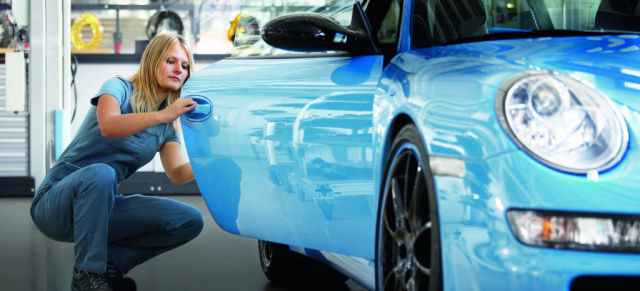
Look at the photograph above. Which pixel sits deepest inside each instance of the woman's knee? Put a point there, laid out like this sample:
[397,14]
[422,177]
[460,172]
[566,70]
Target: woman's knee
[193,222]
[99,175]
[102,171]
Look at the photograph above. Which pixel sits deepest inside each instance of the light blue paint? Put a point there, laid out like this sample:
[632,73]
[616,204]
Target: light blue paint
[295,148]
[292,145]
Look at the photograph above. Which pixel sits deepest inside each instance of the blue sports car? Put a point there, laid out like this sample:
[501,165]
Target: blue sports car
[429,144]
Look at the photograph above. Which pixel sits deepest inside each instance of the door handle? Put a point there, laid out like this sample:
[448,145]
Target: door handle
[202,110]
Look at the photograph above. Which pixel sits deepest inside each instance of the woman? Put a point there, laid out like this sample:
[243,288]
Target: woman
[78,201]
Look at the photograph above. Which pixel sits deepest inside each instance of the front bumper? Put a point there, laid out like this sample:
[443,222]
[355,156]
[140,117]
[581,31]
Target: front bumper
[479,251]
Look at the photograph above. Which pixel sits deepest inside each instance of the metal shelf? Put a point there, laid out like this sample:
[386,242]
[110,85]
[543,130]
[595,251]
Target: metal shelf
[183,7]
[194,13]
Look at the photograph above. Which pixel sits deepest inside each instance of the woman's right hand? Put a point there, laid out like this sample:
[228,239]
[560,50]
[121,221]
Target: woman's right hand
[178,107]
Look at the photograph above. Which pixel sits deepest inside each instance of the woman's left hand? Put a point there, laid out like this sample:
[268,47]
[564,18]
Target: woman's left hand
[178,107]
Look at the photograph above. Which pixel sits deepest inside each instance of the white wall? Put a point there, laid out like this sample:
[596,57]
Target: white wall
[20,9]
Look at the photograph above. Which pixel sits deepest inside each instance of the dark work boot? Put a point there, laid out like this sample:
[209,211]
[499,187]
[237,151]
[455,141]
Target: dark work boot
[117,281]
[87,281]
[121,284]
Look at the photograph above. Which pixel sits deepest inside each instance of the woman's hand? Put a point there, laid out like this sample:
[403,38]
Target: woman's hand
[178,107]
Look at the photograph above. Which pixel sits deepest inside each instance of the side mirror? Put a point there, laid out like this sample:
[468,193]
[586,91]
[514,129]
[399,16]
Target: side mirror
[312,32]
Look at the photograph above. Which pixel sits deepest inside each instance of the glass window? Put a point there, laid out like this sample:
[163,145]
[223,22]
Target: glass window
[438,22]
[388,32]
[617,15]
[124,26]
[509,14]
[577,15]
[573,15]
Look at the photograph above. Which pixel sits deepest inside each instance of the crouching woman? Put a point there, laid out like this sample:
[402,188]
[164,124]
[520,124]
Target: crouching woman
[78,201]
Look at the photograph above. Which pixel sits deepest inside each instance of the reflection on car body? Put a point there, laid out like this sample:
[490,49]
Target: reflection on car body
[332,151]
[430,144]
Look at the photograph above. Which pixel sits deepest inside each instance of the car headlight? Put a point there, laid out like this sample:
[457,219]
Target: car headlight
[565,230]
[562,122]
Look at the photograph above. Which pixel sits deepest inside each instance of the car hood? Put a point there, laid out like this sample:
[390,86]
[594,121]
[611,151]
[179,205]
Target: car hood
[610,63]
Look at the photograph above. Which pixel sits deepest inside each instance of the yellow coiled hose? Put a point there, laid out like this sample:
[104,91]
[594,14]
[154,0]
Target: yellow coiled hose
[83,20]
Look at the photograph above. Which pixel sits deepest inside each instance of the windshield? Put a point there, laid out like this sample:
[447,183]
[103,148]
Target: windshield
[582,15]
[454,21]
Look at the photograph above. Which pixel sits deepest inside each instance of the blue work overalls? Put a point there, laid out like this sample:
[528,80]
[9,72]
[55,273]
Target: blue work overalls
[78,199]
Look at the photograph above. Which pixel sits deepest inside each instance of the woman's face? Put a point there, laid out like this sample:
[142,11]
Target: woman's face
[175,70]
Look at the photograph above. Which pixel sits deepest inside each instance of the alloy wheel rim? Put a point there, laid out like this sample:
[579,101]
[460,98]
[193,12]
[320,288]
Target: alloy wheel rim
[266,253]
[405,230]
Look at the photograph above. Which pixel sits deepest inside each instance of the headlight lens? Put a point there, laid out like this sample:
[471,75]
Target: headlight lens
[576,231]
[562,122]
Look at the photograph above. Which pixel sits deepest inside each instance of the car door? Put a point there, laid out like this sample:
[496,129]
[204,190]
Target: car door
[281,143]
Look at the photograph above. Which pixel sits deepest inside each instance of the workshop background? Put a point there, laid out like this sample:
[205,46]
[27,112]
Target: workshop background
[54,55]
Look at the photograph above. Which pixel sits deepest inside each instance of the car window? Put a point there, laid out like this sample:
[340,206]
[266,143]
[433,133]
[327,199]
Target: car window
[247,41]
[388,32]
[438,22]
[506,15]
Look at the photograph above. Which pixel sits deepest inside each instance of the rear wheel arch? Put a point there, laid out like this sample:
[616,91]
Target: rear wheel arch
[396,125]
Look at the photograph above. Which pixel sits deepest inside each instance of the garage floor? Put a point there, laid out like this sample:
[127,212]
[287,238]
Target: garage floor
[215,260]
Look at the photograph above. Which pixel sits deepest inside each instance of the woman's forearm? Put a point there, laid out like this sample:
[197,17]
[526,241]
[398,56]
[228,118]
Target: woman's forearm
[120,125]
[115,124]
[182,175]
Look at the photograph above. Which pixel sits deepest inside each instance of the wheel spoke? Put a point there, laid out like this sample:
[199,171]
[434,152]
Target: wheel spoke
[399,273]
[388,277]
[416,206]
[394,276]
[420,209]
[424,228]
[421,275]
[266,253]
[424,270]
[395,231]
[398,204]
[411,285]
[420,278]
[409,176]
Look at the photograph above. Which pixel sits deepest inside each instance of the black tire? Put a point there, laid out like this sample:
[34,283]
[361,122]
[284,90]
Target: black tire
[408,253]
[284,267]
[273,259]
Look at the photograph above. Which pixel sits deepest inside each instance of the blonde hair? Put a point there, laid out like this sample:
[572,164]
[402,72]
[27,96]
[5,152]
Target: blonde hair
[145,81]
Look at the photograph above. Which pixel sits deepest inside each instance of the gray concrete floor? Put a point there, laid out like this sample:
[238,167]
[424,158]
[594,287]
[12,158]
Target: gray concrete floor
[215,260]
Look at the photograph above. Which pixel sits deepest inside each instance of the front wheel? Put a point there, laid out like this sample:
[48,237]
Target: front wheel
[408,234]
